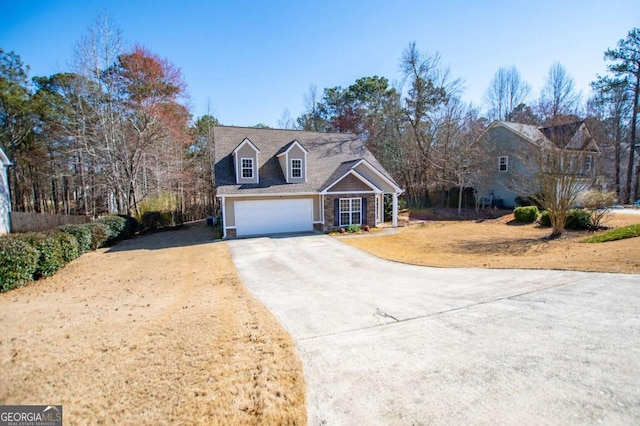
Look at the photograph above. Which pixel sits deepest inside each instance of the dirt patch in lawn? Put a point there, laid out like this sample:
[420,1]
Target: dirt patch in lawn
[156,330]
[503,243]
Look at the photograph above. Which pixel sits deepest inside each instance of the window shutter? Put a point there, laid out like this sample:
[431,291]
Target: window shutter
[336,212]
[364,210]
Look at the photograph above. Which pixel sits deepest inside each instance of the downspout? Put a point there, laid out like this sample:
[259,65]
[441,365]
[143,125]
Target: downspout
[224,217]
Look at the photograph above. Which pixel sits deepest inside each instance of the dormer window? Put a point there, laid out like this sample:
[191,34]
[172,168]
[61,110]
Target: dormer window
[245,162]
[296,168]
[293,162]
[247,168]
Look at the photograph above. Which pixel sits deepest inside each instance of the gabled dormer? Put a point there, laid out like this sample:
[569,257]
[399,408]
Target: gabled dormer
[245,162]
[293,162]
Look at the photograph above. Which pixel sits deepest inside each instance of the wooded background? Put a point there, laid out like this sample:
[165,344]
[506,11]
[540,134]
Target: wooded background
[114,134]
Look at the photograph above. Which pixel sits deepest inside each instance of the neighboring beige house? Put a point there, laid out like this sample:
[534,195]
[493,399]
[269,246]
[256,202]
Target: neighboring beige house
[512,149]
[274,181]
[5,194]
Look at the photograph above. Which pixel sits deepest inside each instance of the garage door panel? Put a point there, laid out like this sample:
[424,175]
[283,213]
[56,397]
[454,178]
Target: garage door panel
[273,216]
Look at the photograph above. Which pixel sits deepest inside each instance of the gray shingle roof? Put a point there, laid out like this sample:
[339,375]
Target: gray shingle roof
[527,131]
[329,155]
[558,135]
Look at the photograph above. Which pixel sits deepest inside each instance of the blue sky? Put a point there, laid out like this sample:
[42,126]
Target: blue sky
[246,61]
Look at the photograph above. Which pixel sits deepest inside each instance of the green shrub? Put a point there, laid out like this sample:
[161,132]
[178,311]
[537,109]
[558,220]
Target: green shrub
[167,219]
[131,227]
[82,234]
[578,219]
[526,214]
[18,263]
[156,219]
[50,259]
[116,227]
[544,219]
[69,247]
[99,234]
[353,228]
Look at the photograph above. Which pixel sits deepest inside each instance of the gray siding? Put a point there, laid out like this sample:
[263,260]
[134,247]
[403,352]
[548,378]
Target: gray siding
[375,179]
[504,187]
[246,151]
[350,183]
[296,153]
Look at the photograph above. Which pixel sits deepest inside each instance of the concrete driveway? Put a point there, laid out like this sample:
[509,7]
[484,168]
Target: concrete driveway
[391,344]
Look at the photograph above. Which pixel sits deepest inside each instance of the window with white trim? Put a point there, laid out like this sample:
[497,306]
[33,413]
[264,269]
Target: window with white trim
[296,168]
[588,163]
[503,164]
[350,211]
[247,168]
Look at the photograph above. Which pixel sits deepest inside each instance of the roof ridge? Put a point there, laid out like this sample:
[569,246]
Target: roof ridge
[284,130]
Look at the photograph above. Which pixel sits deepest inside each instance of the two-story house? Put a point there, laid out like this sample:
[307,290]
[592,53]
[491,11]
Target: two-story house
[274,181]
[512,154]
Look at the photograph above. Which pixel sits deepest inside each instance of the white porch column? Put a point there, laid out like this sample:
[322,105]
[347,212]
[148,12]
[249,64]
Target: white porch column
[223,206]
[395,210]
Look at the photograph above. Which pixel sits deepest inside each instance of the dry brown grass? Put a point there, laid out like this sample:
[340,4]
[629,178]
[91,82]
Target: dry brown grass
[157,330]
[501,243]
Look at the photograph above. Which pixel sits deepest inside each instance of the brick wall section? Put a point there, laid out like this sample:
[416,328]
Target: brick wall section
[329,215]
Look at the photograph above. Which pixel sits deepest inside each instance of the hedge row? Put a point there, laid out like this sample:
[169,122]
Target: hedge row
[32,255]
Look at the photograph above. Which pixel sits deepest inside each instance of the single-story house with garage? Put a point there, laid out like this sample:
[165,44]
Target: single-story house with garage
[272,181]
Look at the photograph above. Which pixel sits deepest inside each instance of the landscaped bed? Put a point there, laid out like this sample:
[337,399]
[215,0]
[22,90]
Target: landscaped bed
[503,243]
[154,330]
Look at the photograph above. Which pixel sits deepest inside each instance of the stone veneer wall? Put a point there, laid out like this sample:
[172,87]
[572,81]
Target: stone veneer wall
[329,215]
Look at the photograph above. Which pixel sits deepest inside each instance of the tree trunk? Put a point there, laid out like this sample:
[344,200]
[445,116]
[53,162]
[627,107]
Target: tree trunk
[633,141]
[617,155]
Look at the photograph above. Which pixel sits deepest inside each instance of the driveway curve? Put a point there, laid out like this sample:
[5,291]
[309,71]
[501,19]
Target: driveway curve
[389,343]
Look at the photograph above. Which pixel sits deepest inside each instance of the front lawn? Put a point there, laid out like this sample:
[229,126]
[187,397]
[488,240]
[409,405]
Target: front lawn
[155,330]
[502,243]
[616,234]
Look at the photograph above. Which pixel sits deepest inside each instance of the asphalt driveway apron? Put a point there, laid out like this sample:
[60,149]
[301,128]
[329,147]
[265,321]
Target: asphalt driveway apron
[393,344]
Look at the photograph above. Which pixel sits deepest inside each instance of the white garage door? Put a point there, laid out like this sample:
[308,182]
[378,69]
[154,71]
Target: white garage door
[273,216]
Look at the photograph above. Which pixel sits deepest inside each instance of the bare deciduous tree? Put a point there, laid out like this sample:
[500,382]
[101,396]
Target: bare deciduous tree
[559,184]
[506,91]
[559,96]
